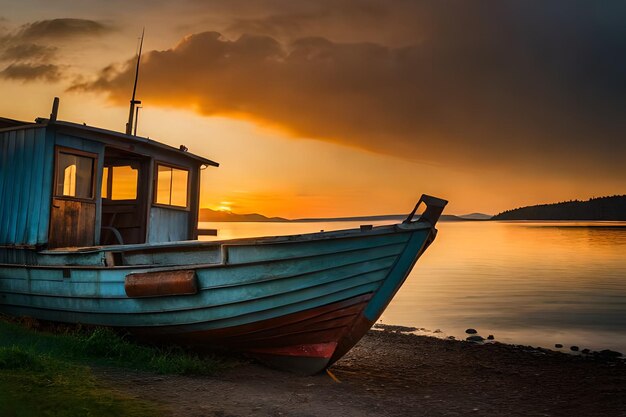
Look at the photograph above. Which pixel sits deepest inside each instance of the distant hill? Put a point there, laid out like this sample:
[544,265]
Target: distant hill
[476,216]
[390,217]
[602,208]
[208,215]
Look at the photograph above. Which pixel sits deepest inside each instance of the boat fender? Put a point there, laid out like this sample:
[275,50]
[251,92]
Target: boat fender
[161,284]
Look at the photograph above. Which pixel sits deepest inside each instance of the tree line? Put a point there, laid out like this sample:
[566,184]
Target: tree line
[598,208]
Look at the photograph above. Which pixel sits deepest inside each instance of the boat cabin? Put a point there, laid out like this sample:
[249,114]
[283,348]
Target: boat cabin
[64,184]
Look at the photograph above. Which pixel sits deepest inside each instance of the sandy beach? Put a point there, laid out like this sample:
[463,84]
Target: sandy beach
[390,373]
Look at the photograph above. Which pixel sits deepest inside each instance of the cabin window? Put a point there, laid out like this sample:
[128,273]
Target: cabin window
[104,192]
[171,186]
[120,182]
[74,175]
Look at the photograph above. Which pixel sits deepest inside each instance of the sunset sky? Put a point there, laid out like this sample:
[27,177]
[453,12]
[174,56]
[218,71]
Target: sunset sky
[343,107]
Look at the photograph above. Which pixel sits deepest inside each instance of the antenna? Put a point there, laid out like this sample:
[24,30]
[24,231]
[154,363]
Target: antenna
[133,102]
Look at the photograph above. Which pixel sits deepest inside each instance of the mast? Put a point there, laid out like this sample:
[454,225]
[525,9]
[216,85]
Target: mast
[136,118]
[133,102]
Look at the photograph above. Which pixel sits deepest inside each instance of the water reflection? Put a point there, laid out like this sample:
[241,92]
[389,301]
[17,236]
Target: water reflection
[524,282]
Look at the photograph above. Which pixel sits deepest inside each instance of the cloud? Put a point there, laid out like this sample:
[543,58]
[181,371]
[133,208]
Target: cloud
[32,50]
[337,19]
[24,52]
[30,72]
[528,86]
[55,29]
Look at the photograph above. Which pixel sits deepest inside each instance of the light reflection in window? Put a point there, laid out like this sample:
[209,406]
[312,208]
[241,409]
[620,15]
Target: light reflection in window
[120,182]
[69,181]
[124,183]
[74,176]
[104,191]
[171,186]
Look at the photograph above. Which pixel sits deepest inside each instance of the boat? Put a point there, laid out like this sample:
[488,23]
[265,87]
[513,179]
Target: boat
[100,228]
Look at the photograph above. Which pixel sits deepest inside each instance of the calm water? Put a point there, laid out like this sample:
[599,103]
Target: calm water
[536,283]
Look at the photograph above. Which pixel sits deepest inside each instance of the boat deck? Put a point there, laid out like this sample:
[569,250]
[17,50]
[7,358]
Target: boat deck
[190,252]
[192,244]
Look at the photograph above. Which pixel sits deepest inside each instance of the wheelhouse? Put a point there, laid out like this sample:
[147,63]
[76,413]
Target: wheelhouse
[64,184]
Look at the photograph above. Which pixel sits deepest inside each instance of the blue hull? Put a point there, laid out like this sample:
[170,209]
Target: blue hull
[240,284]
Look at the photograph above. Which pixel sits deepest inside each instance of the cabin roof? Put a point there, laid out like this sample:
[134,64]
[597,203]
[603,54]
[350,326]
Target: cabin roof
[9,123]
[128,138]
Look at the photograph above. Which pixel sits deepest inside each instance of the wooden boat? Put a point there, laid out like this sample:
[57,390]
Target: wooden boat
[100,228]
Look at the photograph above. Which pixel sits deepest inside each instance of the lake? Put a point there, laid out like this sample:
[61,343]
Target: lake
[532,283]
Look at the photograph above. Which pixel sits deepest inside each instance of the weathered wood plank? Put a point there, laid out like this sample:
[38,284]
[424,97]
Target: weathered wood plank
[4,177]
[34,206]
[25,191]
[168,225]
[8,216]
[46,189]
[22,181]
[72,223]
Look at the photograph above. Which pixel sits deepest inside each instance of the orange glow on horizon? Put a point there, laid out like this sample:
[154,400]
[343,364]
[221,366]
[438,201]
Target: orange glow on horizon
[316,116]
[276,175]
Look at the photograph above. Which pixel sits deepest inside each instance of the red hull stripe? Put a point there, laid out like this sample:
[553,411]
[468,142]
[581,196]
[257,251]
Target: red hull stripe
[317,350]
[305,342]
[328,323]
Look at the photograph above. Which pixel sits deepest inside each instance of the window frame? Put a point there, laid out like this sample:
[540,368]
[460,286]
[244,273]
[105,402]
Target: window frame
[76,152]
[155,183]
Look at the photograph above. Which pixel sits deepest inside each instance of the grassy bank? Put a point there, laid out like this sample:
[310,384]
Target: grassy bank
[34,384]
[43,373]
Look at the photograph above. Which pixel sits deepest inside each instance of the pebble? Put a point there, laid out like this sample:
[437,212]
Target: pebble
[609,354]
[471,331]
[558,345]
[490,337]
[574,348]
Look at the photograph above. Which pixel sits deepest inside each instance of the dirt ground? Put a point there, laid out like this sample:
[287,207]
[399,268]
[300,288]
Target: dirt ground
[393,374]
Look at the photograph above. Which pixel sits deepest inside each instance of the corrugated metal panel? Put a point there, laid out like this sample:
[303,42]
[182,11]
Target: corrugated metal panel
[168,225]
[26,159]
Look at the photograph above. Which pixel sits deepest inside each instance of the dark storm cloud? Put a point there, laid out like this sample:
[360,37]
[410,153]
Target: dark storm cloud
[31,52]
[334,19]
[22,52]
[532,85]
[31,72]
[60,29]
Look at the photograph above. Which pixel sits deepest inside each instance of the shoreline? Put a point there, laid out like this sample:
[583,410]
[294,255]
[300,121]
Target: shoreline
[389,373]
[477,337]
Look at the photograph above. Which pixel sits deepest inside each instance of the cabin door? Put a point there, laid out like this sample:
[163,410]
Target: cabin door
[73,212]
[124,198]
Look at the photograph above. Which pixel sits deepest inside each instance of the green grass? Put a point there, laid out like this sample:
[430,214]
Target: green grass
[14,358]
[102,346]
[49,374]
[38,385]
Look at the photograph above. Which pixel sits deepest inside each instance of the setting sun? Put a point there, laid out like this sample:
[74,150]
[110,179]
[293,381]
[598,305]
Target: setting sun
[224,207]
